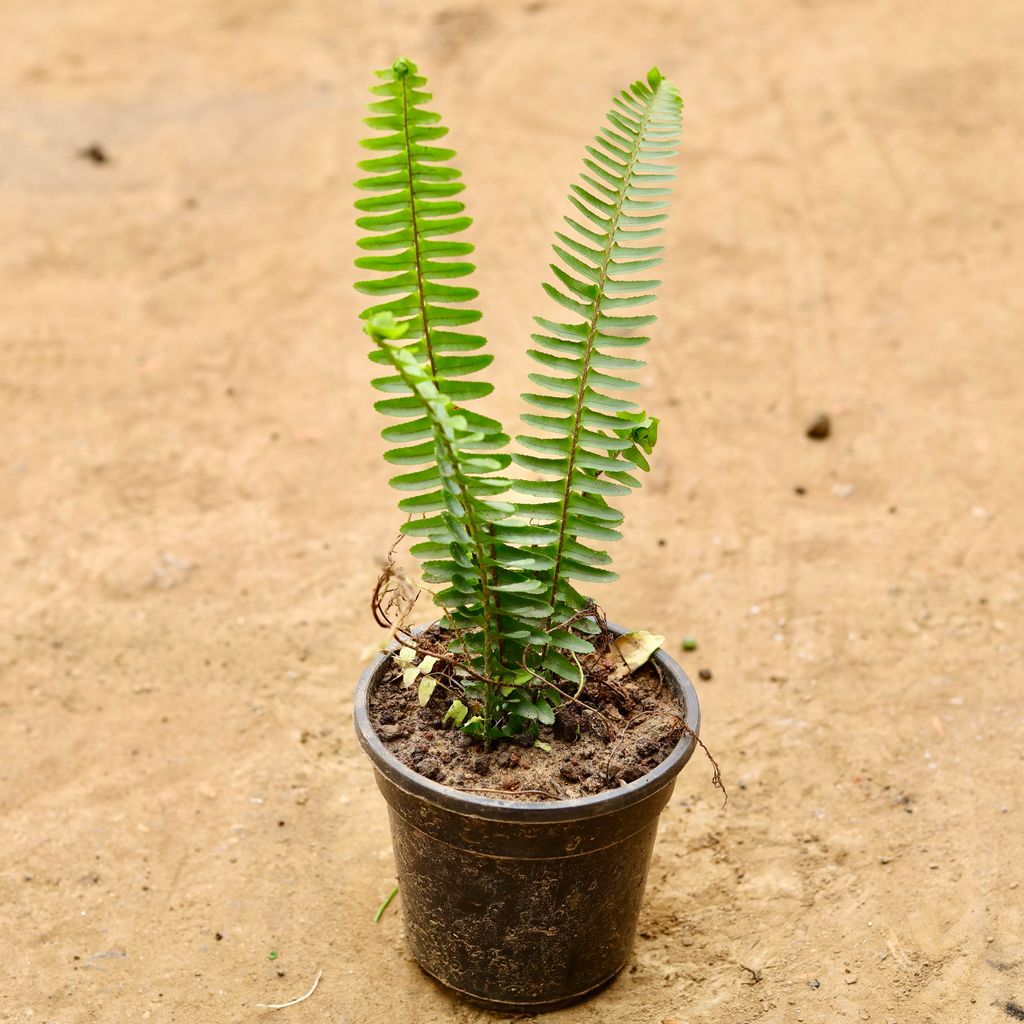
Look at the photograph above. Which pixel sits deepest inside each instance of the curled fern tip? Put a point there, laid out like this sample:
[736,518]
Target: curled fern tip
[384,325]
[403,66]
[654,78]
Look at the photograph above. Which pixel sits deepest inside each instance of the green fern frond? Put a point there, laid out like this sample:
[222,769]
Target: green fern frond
[409,220]
[591,439]
[507,571]
[456,493]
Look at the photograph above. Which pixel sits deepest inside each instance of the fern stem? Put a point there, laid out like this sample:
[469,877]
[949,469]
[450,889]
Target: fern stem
[479,534]
[421,299]
[417,256]
[491,613]
[591,331]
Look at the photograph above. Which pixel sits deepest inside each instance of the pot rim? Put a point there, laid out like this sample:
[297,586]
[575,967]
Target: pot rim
[460,801]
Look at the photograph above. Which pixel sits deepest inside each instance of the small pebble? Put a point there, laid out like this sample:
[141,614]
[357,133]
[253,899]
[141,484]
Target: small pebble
[95,154]
[706,674]
[820,427]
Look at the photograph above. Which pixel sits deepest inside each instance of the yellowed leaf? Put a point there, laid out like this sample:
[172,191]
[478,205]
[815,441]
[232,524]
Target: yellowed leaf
[637,647]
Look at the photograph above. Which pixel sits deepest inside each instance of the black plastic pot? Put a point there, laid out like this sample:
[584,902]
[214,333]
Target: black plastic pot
[522,907]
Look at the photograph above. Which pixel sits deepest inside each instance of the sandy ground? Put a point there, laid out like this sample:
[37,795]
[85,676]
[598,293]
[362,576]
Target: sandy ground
[192,502]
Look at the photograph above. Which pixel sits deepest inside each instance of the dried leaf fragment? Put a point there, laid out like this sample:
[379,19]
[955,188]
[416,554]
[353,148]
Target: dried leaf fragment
[427,684]
[637,647]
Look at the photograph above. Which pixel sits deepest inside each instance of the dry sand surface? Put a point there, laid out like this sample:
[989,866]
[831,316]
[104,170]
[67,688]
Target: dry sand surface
[193,504]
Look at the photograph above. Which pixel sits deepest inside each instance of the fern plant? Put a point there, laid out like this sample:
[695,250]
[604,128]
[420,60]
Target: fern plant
[507,533]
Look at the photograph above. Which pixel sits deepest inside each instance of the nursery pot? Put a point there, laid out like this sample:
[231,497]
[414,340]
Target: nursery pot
[518,906]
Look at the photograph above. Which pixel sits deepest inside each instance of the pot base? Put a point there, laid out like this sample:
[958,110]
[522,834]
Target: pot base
[503,1006]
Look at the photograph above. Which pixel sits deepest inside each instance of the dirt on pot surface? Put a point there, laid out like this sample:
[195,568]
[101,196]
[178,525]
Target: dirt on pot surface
[622,727]
[193,509]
